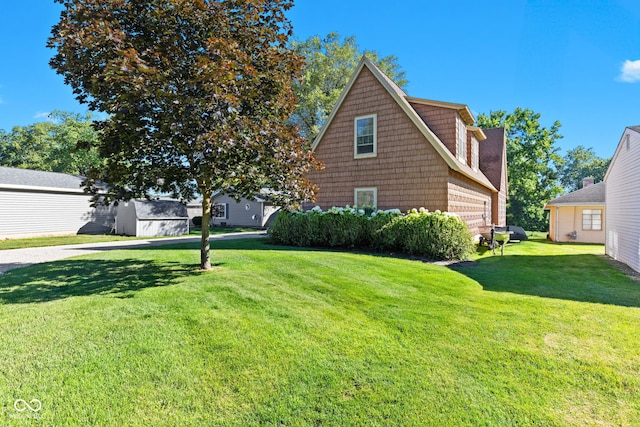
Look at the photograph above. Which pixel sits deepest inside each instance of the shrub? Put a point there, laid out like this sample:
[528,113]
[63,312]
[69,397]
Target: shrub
[197,221]
[433,235]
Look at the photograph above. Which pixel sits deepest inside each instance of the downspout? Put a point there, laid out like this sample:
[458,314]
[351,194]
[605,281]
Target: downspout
[557,224]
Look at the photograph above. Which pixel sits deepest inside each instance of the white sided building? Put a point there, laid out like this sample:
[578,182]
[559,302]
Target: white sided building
[622,221]
[36,203]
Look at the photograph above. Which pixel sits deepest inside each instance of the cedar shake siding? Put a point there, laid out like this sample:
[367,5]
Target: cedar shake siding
[470,201]
[414,161]
[442,121]
[407,171]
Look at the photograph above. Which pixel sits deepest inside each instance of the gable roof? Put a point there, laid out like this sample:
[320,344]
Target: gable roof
[591,195]
[27,179]
[401,98]
[462,109]
[492,156]
[635,129]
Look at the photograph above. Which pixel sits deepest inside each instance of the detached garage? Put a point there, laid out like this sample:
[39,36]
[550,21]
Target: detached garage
[146,218]
[36,203]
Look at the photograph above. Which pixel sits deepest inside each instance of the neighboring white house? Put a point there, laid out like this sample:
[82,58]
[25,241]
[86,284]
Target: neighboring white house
[226,211]
[145,218]
[622,222]
[36,203]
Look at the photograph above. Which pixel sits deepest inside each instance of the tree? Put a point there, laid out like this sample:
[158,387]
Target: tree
[198,92]
[52,145]
[330,62]
[579,163]
[531,164]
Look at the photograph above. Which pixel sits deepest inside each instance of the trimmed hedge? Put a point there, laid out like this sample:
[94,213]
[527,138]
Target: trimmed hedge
[434,235]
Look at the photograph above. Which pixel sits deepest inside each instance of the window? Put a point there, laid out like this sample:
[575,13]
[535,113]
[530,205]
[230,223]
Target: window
[219,210]
[462,141]
[365,144]
[474,154]
[365,197]
[592,219]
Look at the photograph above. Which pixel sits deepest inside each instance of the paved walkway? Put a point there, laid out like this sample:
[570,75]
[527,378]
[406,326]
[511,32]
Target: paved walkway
[16,258]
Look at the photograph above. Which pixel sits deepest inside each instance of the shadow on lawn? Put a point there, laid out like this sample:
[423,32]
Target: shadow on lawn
[584,278]
[64,279]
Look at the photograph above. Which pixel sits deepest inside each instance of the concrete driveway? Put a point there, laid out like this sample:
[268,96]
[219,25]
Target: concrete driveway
[16,258]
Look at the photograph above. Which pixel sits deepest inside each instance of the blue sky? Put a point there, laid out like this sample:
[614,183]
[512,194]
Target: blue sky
[576,61]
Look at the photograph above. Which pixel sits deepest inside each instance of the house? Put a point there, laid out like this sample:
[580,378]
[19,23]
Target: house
[146,218]
[622,222]
[383,148]
[257,211]
[578,216]
[36,203]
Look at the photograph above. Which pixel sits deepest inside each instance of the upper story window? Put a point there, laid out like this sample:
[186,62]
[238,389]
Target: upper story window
[366,135]
[462,141]
[474,154]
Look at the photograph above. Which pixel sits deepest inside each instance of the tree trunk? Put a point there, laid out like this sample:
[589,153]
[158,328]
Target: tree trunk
[205,256]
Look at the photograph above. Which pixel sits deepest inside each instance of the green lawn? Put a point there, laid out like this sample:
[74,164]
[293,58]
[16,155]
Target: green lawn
[546,335]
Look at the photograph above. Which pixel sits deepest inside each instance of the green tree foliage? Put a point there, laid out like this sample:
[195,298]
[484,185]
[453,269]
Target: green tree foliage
[330,62]
[52,145]
[199,94]
[532,160]
[579,163]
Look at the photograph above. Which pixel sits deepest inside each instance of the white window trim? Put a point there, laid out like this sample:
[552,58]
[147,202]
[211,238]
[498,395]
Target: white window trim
[375,137]
[225,212]
[363,189]
[475,154]
[461,143]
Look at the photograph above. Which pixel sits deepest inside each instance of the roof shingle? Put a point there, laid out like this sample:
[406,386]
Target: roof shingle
[591,195]
[33,178]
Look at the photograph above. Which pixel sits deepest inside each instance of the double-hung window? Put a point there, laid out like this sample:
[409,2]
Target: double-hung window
[462,141]
[474,154]
[365,197]
[220,211]
[592,219]
[365,136]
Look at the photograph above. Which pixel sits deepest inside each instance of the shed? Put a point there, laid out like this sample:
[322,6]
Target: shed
[146,218]
[37,203]
[578,216]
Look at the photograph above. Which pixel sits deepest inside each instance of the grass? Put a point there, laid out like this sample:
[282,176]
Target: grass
[545,335]
[35,242]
